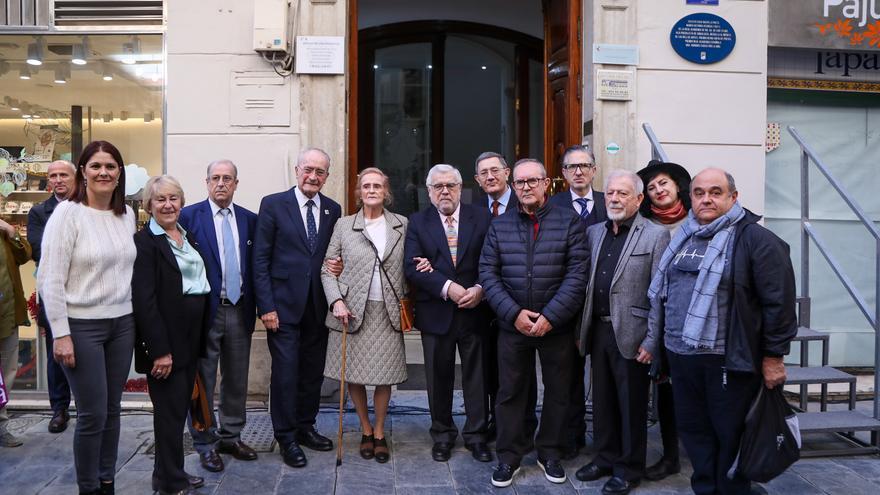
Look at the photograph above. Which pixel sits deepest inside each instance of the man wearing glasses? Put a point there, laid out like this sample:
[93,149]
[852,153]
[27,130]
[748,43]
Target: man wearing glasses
[492,174]
[533,272]
[579,167]
[226,230]
[293,231]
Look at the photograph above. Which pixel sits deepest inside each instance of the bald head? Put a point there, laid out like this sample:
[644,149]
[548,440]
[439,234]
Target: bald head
[713,193]
[61,175]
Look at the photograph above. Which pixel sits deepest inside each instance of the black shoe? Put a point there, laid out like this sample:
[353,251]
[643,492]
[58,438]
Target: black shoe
[59,420]
[592,472]
[238,449]
[380,450]
[662,469]
[503,475]
[757,489]
[441,451]
[480,451]
[107,488]
[553,470]
[618,486]
[211,461]
[293,455]
[313,440]
[195,481]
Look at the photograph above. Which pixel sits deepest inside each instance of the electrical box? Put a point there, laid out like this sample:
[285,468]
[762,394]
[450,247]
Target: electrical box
[270,26]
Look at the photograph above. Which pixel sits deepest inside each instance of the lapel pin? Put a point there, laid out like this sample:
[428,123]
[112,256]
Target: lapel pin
[249,242]
[326,212]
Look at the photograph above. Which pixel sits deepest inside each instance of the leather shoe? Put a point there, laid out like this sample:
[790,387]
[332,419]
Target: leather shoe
[59,420]
[194,482]
[313,440]
[239,450]
[663,468]
[592,472]
[293,455]
[480,451]
[441,451]
[619,486]
[211,461]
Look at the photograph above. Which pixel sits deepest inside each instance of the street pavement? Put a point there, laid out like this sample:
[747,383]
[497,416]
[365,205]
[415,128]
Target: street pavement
[44,464]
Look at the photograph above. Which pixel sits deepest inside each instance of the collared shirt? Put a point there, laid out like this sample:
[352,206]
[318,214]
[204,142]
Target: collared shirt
[192,267]
[609,256]
[503,201]
[455,216]
[301,200]
[589,197]
[218,231]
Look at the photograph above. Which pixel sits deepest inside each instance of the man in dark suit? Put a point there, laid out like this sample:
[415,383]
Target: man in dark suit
[293,231]
[625,250]
[448,311]
[60,175]
[225,231]
[492,174]
[579,167]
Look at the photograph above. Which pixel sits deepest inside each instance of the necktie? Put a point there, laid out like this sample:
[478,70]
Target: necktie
[495,205]
[584,211]
[232,275]
[311,228]
[452,238]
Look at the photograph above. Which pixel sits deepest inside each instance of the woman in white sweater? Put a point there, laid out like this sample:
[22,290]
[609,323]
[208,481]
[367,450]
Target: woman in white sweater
[85,286]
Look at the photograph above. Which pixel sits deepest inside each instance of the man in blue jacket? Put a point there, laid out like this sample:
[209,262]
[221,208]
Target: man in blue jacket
[448,310]
[226,230]
[533,271]
[723,297]
[293,231]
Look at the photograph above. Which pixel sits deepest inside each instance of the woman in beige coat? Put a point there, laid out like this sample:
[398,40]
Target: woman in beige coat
[365,297]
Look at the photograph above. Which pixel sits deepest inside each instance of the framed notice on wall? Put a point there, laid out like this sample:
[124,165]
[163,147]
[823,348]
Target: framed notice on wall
[320,54]
[614,85]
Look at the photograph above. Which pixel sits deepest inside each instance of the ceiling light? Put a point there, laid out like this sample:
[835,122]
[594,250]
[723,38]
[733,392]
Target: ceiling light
[15,109]
[80,52]
[35,116]
[35,52]
[107,74]
[483,67]
[131,50]
[123,115]
[25,116]
[108,117]
[24,73]
[148,117]
[62,72]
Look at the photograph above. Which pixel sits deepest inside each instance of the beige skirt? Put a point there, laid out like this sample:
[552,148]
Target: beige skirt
[375,354]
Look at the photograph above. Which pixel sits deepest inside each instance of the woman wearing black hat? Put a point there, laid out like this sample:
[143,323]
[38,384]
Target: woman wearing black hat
[666,203]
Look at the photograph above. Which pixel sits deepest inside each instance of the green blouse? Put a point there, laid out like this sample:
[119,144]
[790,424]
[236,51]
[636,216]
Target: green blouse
[192,267]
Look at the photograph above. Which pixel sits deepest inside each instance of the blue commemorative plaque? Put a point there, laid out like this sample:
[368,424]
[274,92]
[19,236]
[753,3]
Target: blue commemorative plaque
[703,38]
[702,2]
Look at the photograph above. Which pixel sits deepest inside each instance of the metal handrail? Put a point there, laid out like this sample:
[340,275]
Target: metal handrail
[657,151]
[808,233]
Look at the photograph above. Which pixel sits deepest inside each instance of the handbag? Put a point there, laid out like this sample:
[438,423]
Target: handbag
[407,318]
[771,440]
[201,415]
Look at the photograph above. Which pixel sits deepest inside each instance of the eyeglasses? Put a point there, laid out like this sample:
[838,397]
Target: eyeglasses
[225,179]
[494,171]
[583,166]
[533,182]
[439,187]
[320,172]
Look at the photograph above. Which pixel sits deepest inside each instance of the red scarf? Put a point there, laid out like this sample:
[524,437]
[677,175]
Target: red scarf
[670,215]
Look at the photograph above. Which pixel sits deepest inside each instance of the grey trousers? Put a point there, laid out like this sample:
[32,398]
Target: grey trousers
[103,350]
[9,363]
[228,345]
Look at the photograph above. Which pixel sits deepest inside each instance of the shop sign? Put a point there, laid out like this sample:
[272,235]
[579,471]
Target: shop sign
[702,2]
[612,148]
[614,85]
[826,65]
[841,24]
[703,38]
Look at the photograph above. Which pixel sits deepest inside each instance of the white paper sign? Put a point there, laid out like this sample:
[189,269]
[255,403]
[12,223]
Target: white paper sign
[320,54]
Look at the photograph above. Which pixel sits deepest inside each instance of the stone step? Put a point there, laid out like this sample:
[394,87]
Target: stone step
[836,421]
[797,375]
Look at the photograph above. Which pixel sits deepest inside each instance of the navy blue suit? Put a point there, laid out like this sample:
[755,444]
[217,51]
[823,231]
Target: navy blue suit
[287,279]
[443,325]
[577,425]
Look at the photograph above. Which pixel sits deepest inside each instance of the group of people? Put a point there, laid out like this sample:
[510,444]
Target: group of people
[660,277]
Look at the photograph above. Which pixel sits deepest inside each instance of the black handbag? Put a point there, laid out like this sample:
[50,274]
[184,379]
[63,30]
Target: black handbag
[771,440]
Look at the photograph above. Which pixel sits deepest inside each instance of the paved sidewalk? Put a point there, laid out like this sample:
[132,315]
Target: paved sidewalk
[44,464]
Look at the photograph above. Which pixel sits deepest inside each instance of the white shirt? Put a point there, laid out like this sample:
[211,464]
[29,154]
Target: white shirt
[590,201]
[376,230]
[455,216]
[302,199]
[502,201]
[218,231]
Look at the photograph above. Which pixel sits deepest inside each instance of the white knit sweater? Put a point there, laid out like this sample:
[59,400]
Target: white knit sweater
[86,265]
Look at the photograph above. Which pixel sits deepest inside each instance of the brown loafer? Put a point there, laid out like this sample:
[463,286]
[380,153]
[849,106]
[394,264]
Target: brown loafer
[239,450]
[366,448]
[380,450]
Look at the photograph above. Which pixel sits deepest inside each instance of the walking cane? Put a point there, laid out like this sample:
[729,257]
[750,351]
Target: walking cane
[341,395]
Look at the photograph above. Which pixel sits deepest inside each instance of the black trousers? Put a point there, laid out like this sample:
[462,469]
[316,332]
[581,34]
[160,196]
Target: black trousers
[516,369]
[298,354]
[620,406]
[490,349]
[577,410]
[710,409]
[59,389]
[439,352]
[666,417]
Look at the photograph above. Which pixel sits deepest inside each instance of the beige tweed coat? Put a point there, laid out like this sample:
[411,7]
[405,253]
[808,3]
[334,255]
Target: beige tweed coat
[350,242]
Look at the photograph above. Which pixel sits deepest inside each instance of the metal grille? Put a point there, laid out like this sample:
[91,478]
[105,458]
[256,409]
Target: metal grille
[108,13]
[24,13]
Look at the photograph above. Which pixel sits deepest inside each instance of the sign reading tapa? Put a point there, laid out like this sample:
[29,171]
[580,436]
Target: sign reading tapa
[703,38]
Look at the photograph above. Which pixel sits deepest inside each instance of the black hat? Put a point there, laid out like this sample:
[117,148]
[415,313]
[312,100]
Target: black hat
[678,174]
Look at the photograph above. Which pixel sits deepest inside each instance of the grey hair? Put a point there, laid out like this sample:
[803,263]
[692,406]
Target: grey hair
[219,162]
[523,161]
[155,183]
[485,156]
[301,157]
[442,168]
[66,162]
[638,185]
[576,148]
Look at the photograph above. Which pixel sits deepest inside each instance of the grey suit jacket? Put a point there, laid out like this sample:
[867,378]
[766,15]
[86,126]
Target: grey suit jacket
[350,241]
[641,254]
